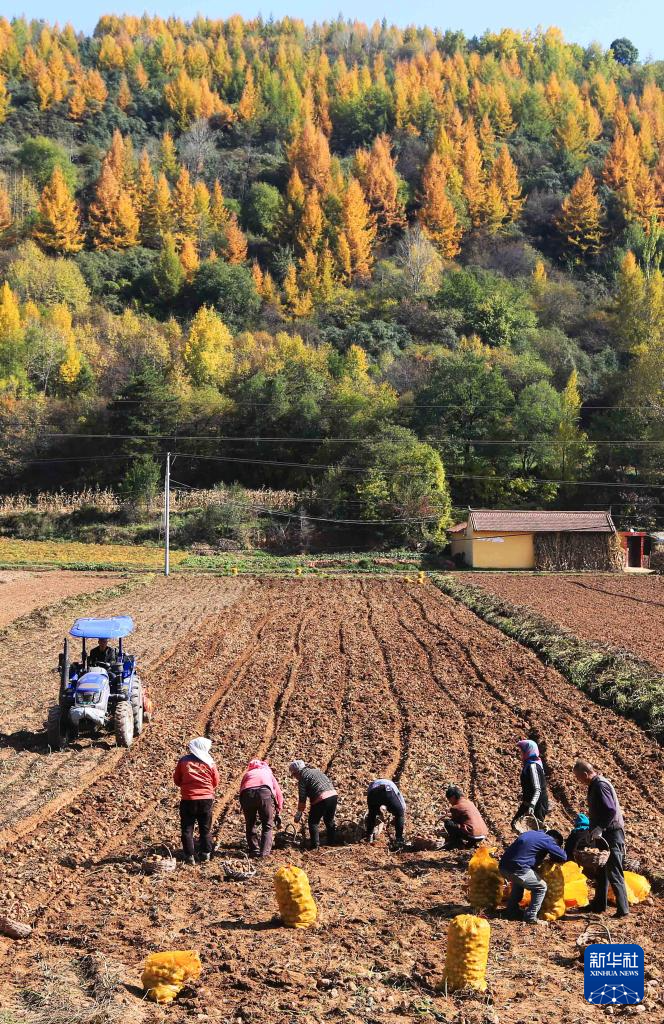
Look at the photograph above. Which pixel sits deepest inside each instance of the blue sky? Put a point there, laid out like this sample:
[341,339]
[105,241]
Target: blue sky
[582,21]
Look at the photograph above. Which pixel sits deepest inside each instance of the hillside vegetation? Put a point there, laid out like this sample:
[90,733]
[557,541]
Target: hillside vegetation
[401,269]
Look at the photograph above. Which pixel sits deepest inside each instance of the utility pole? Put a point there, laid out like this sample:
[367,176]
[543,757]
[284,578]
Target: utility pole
[167,516]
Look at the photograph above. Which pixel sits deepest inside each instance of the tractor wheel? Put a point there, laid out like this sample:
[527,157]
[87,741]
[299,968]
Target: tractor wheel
[137,710]
[56,729]
[124,724]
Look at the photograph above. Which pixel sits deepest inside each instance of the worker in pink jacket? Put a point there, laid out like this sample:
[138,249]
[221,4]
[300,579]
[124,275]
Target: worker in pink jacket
[260,796]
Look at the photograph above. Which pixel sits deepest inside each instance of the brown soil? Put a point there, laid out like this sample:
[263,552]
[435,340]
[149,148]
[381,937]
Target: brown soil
[363,679]
[22,591]
[624,611]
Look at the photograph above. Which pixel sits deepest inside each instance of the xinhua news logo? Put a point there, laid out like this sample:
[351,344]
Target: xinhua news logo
[613,973]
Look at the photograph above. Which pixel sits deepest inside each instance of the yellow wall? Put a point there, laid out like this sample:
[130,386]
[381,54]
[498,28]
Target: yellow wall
[497,550]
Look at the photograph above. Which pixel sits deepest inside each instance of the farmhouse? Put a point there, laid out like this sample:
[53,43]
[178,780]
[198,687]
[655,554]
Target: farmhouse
[500,539]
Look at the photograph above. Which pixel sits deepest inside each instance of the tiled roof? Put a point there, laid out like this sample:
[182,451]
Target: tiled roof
[459,528]
[541,521]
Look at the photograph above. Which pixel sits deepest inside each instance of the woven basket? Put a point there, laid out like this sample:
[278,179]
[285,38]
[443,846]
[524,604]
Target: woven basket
[238,870]
[595,934]
[155,863]
[288,836]
[527,823]
[592,858]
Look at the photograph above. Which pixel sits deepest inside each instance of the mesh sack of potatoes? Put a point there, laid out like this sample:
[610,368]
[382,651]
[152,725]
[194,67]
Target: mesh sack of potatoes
[485,882]
[554,901]
[467,952]
[296,904]
[166,974]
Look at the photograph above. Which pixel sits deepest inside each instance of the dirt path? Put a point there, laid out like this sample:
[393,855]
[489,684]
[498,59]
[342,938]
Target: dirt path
[364,679]
[624,611]
[22,591]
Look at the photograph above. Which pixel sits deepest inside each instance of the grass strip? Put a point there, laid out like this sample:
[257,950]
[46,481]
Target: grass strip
[614,678]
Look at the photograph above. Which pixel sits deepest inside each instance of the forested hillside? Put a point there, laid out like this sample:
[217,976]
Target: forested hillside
[426,268]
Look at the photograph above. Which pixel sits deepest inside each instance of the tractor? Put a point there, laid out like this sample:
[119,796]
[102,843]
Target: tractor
[98,694]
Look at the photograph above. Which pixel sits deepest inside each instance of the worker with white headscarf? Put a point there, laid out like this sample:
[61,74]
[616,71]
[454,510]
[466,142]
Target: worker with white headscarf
[197,777]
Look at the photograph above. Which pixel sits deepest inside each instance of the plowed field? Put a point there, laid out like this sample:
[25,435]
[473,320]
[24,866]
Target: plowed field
[22,591]
[624,611]
[362,679]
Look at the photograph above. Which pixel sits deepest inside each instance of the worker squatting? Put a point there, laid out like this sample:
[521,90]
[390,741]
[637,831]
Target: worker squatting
[262,800]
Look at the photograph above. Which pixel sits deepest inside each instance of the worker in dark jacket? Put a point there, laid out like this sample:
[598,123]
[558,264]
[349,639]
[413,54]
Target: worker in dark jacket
[102,654]
[314,786]
[385,793]
[519,865]
[465,826]
[534,795]
[606,820]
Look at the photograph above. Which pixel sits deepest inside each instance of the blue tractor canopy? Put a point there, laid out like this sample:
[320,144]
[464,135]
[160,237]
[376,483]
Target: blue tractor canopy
[103,629]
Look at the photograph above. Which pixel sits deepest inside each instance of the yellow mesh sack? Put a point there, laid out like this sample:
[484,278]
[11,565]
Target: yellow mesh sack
[165,974]
[296,904]
[638,888]
[554,901]
[485,882]
[467,952]
[576,885]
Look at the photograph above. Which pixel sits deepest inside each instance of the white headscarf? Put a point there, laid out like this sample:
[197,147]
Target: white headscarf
[200,748]
[295,767]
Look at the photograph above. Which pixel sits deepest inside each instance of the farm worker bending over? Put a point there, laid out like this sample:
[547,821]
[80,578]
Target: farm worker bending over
[606,820]
[534,796]
[579,833]
[384,793]
[197,776]
[465,826]
[518,864]
[102,654]
[314,786]
[260,796]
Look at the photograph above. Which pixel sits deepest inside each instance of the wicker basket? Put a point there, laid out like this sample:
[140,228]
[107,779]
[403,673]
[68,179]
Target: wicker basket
[238,870]
[155,863]
[593,858]
[527,823]
[288,836]
[595,934]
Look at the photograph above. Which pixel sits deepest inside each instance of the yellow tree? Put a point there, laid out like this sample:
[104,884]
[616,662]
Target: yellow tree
[297,302]
[5,101]
[113,218]
[183,96]
[571,138]
[158,215]
[359,230]
[58,225]
[208,350]
[380,181]
[310,155]
[77,103]
[629,305]
[218,211]
[505,176]
[124,94]
[235,243]
[309,228]
[6,218]
[189,258]
[472,170]
[10,314]
[168,162]
[437,214]
[184,206]
[495,211]
[580,219]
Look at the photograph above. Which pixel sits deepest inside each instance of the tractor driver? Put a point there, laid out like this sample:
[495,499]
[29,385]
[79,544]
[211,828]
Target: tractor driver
[102,654]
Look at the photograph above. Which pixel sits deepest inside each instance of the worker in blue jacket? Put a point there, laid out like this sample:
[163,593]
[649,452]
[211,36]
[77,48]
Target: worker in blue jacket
[519,864]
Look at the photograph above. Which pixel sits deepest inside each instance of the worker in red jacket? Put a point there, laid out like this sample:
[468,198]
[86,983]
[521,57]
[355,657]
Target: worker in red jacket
[197,776]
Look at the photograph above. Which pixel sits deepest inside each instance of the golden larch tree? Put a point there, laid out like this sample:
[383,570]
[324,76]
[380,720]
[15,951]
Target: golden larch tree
[309,227]
[114,222]
[58,225]
[472,170]
[359,229]
[379,179]
[184,206]
[506,178]
[6,218]
[310,155]
[580,219]
[437,214]
[235,243]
